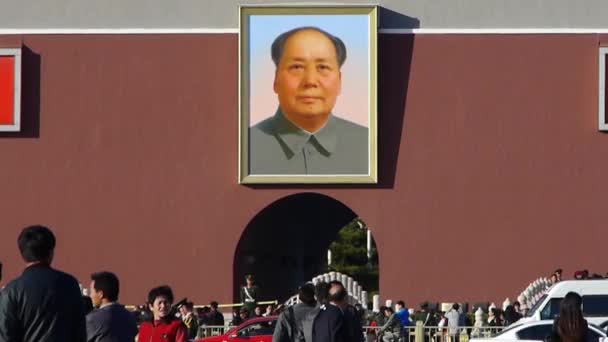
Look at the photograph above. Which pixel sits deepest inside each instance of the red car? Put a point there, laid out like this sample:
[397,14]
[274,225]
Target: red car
[252,330]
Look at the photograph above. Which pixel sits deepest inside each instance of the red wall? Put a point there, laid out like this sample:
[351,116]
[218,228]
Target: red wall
[491,163]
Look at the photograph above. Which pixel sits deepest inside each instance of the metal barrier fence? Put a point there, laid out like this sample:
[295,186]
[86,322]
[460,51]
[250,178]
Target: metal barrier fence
[432,334]
[212,330]
[410,333]
[232,305]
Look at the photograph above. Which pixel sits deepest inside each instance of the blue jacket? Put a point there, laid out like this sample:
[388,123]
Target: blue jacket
[404,317]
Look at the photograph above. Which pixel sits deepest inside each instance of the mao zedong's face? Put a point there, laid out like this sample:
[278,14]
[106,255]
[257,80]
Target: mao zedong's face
[308,78]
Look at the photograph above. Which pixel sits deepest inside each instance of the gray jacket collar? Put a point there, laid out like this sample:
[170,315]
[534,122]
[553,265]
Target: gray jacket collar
[294,138]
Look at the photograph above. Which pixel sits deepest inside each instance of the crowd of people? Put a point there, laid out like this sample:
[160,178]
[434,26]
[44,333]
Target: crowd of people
[45,304]
[391,324]
[584,274]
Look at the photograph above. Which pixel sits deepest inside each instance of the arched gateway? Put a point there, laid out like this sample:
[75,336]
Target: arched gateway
[286,243]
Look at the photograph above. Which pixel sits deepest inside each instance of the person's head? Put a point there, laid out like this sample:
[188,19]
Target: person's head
[399,306]
[388,311]
[244,313]
[186,308]
[517,307]
[270,307]
[308,79]
[456,307]
[249,280]
[36,244]
[337,293]
[571,324]
[424,306]
[558,273]
[306,294]
[159,301]
[104,288]
[322,293]
[523,309]
[214,305]
[553,278]
[258,311]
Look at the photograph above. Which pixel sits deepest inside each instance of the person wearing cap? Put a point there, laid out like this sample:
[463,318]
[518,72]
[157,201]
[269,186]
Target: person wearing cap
[186,311]
[424,315]
[249,294]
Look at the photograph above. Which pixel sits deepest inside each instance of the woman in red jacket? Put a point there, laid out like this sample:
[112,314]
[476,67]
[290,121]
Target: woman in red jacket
[164,327]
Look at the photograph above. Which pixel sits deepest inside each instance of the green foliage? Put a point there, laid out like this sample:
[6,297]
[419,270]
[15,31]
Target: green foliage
[349,255]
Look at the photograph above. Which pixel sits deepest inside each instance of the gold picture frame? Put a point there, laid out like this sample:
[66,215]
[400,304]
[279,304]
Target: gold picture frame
[355,28]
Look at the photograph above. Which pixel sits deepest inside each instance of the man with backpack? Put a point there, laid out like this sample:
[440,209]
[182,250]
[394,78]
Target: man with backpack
[289,326]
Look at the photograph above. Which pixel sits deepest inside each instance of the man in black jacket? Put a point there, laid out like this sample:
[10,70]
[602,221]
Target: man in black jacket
[328,323]
[338,296]
[43,304]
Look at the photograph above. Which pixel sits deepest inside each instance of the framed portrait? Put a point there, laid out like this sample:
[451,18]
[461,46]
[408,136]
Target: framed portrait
[307,95]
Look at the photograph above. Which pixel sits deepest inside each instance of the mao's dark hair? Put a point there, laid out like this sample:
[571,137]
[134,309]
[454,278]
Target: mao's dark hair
[278,46]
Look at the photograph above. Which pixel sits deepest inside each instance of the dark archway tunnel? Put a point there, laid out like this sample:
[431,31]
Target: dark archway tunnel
[286,243]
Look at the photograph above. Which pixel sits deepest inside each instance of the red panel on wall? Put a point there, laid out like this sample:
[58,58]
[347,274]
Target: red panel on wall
[7,90]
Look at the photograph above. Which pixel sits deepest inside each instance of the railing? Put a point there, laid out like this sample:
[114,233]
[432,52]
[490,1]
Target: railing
[356,294]
[231,305]
[410,333]
[212,330]
[434,334]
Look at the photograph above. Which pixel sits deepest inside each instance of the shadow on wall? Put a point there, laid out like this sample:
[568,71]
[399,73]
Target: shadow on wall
[394,66]
[30,96]
[394,63]
[390,19]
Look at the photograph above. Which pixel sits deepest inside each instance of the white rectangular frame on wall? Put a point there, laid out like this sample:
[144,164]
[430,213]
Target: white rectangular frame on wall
[16,126]
[602,125]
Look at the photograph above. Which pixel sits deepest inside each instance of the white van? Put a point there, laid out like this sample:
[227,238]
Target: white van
[595,301]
